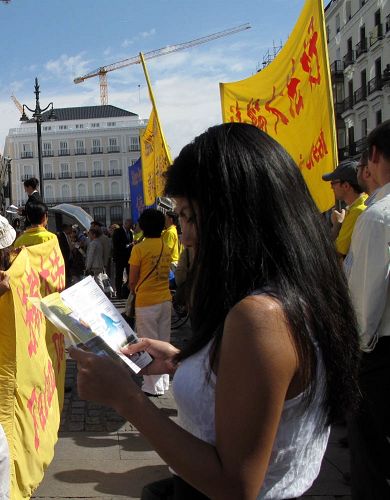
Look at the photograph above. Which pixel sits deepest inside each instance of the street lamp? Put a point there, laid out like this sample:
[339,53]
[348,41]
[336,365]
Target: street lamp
[37,116]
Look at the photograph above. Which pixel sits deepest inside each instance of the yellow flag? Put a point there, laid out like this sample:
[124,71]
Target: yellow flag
[155,154]
[291,100]
[32,366]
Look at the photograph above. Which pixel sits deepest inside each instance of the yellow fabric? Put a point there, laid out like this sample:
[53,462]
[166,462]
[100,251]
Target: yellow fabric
[155,289]
[291,100]
[343,240]
[32,366]
[34,236]
[171,238]
[155,158]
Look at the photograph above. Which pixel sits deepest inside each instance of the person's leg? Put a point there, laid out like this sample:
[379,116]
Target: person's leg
[369,427]
[164,332]
[146,319]
[97,275]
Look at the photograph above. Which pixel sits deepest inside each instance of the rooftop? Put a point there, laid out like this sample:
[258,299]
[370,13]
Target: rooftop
[87,113]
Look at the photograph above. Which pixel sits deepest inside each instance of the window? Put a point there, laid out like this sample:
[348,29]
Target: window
[97,167]
[26,151]
[348,10]
[79,125]
[113,145]
[338,23]
[49,193]
[116,215]
[378,117]
[327,33]
[115,188]
[111,124]
[65,192]
[64,171]
[98,189]
[95,125]
[96,148]
[46,128]
[80,149]
[28,172]
[114,164]
[47,172]
[46,149]
[80,169]
[81,191]
[63,127]
[64,148]
[364,128]
[99,214]
[134,143]
[112,141]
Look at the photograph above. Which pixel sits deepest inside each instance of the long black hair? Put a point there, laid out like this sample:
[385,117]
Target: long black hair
[258,228]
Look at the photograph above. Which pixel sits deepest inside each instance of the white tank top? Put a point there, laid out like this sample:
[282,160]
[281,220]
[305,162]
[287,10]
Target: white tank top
[300,441]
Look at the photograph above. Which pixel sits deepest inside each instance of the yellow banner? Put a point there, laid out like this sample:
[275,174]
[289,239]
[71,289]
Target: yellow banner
[155,160]
[291,100]
[32,366]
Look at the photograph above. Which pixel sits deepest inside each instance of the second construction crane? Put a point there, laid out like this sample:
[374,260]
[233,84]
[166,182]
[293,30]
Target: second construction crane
[102,72]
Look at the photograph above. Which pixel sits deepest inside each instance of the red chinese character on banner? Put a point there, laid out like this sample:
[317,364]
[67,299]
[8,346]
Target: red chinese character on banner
[310,61]
[253,112]
[293,92]
[318,151]
[235,113]
[39,403]
[276,112]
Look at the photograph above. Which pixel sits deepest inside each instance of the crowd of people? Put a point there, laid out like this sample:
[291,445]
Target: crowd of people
[290,317]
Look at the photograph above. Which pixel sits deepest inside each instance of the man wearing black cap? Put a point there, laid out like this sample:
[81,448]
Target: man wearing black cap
[346,188]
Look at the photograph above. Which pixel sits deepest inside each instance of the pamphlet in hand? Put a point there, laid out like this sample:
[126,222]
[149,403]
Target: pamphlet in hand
[86,316]
[12,209]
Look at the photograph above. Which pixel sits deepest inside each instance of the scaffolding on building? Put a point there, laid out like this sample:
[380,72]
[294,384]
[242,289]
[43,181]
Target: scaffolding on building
[270,55]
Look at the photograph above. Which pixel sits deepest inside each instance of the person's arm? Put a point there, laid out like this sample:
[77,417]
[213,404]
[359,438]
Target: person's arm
[133,277]
[368,277]
[257,363]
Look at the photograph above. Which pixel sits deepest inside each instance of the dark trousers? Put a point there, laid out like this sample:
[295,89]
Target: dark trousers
[172,488]
[119,267]
[369,427]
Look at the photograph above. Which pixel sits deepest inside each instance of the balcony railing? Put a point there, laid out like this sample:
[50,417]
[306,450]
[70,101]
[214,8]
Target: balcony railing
[336,68]
[96,150]
[98,173]
[348,103]
[49,176]
[24,177]
[65,175]
[115,172]
[376,34]
[47,152]
[374,84]
[360,145]
[27,154]
[360,95]
[361,47]
[349,59]
[63,152]
[134,147]
[80,151]
[78,175]
[113,149]
[85,199]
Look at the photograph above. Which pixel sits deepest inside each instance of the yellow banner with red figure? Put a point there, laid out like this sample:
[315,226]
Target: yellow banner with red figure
[32,366]
[155,159]
[291,100]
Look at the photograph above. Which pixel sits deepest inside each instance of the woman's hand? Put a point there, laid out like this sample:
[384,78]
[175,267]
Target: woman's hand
[163,355]
[98,374]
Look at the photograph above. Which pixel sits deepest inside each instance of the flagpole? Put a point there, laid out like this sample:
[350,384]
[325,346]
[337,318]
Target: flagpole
[151,95]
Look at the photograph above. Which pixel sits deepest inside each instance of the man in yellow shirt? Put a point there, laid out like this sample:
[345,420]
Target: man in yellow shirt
[346,188]
[171,238]
[36,233]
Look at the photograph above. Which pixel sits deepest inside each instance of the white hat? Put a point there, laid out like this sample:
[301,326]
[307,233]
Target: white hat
[7,233]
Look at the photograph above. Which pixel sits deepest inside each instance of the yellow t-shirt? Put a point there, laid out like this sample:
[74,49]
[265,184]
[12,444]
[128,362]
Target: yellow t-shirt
[155,289]
[343,240]
[34,236]
[171,238]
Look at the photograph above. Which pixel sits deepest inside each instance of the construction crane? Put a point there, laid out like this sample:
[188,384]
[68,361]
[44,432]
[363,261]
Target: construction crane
[17,104]
[102,72]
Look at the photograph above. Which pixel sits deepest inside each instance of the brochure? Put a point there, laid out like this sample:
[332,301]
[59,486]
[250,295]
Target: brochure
[86,316]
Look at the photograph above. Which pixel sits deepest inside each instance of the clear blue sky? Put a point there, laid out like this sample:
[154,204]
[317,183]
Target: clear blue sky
[58,40]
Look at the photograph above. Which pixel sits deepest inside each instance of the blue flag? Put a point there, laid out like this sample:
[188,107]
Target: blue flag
[136,190]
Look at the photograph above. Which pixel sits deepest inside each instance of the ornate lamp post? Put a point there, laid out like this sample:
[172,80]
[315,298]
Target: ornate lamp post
[37,117]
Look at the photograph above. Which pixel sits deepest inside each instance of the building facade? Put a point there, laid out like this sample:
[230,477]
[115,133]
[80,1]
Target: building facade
[358,33]
[86,152]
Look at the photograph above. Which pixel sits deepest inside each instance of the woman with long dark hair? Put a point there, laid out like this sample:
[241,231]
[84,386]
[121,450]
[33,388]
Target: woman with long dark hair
[274,354]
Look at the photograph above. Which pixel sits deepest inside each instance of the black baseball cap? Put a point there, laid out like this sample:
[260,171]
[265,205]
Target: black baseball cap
[345,171]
